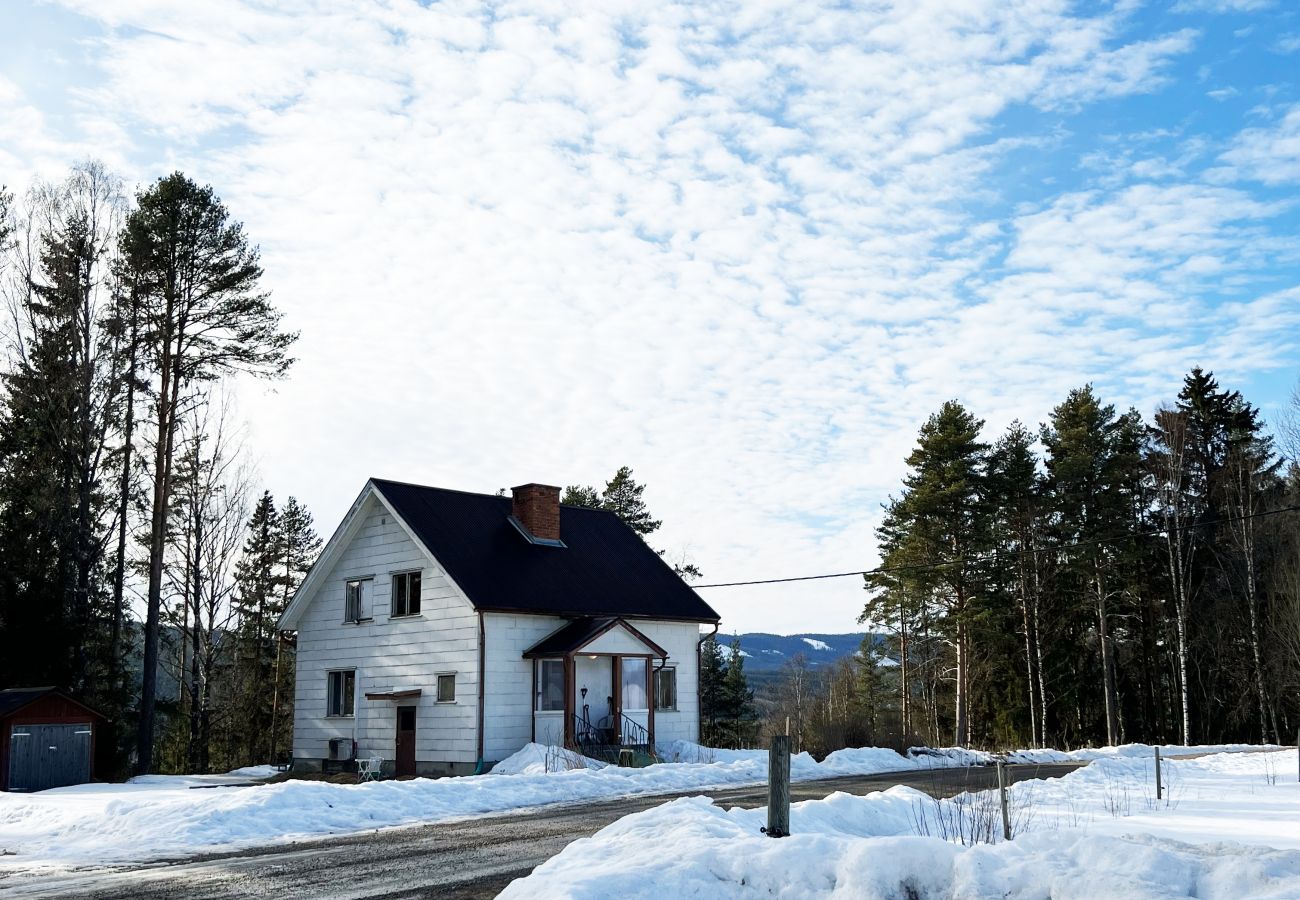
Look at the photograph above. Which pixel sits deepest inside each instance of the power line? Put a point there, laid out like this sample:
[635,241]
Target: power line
[991,557]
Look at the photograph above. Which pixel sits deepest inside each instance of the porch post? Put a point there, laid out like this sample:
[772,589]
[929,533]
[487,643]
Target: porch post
[616,708]
[569,678]
[653,700]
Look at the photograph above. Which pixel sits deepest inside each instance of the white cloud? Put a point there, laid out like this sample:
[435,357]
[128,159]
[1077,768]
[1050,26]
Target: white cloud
[738,246]
[1270,154]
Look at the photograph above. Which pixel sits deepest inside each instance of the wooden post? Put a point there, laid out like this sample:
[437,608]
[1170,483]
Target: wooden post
[778,787]
[1159,786]
[1002,799]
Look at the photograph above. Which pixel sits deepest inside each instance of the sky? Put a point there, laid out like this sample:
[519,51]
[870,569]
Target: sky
[745,248]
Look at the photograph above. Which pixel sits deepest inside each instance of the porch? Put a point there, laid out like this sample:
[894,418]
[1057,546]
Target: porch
[594,685]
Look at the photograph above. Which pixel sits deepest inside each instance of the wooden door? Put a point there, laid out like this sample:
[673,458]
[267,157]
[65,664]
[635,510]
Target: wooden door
[405,740]
[48,756]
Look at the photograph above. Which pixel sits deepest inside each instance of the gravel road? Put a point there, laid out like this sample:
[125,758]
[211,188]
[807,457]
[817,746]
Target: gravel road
[453,861]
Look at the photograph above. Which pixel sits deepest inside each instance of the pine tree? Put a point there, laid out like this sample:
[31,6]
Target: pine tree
[938,529]
[197,278]
[1090,463]
[581,495]
[1018,521]
[622,496]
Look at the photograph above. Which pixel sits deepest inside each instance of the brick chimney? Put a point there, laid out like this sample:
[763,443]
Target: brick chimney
[537,507]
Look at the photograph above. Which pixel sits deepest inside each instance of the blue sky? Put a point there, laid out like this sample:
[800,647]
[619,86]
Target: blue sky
[745,248]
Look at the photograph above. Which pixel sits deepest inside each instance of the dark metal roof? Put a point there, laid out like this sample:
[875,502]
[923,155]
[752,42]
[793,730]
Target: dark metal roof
[580,632]
[604,569]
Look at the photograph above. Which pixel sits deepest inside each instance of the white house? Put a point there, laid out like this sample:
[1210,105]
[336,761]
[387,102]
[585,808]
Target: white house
[442,631]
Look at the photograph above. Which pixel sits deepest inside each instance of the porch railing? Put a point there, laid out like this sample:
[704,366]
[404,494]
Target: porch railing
[634,734]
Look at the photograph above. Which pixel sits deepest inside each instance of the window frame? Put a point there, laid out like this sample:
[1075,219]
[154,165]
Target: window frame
[361,615]
[629,684]
[348,699]
[658,673]
[406,577]
[538,705]
[437,687]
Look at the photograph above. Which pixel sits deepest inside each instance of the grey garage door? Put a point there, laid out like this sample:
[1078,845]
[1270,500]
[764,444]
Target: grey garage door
[47,756]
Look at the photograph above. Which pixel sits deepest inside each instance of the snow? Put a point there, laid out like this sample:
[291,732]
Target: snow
[816,644]
[1226,829]
[156,817]
[536,759]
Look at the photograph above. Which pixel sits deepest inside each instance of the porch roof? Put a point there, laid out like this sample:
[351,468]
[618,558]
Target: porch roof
[580,632]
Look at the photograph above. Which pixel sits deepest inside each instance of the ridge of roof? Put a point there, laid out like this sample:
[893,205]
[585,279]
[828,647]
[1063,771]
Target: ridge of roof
[505,497]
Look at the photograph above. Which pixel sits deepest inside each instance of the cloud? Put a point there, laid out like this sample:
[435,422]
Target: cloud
[1271,154]
[745,248]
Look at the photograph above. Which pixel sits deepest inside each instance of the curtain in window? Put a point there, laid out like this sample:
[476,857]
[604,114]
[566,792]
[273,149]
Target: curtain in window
[634,684]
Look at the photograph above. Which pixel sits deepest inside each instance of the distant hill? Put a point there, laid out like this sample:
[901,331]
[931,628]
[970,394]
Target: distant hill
[769,652]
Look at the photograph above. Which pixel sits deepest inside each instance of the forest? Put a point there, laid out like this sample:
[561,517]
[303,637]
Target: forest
[144,566]
[1103,578]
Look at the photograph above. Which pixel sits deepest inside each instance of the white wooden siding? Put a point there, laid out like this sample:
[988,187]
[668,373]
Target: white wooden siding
[388,654]
[679,639]
[508,702]
[617,640]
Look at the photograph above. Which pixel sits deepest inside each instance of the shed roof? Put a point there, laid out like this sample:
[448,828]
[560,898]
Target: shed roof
[604,568]
[14,699]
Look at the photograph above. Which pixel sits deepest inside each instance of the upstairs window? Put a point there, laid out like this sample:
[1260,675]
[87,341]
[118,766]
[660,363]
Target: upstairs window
[356,600]
[447,687]
[406,594]
[666,688]
[341,693]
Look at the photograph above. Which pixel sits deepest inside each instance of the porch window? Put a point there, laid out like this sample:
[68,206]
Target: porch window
[406,594]
[447,687]
[666,688]
[634,683]
[550,685]
[341,693]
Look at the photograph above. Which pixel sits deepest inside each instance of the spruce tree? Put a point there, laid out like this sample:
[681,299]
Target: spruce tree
[260,577]
[737,698]
[713,673]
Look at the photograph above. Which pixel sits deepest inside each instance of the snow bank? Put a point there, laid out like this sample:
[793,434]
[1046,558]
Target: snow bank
[160,816]
[1082,839]
[538,759]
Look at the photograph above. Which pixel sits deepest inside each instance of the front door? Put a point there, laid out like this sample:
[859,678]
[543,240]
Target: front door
[593,699]
[405,741]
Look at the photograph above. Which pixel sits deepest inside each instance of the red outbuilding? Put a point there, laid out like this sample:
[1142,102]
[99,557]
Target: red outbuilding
[47,739]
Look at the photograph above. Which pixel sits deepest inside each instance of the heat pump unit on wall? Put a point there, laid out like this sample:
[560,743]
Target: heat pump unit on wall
[342,748]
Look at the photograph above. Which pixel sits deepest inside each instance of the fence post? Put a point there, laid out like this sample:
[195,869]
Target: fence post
[1159,787]
[778,787]
[1002,799]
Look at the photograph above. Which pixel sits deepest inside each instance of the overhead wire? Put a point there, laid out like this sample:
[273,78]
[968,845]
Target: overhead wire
[993,557]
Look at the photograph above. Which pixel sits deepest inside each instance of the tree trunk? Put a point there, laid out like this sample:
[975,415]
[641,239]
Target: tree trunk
[1107,662]
[123,503]
[168,388]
